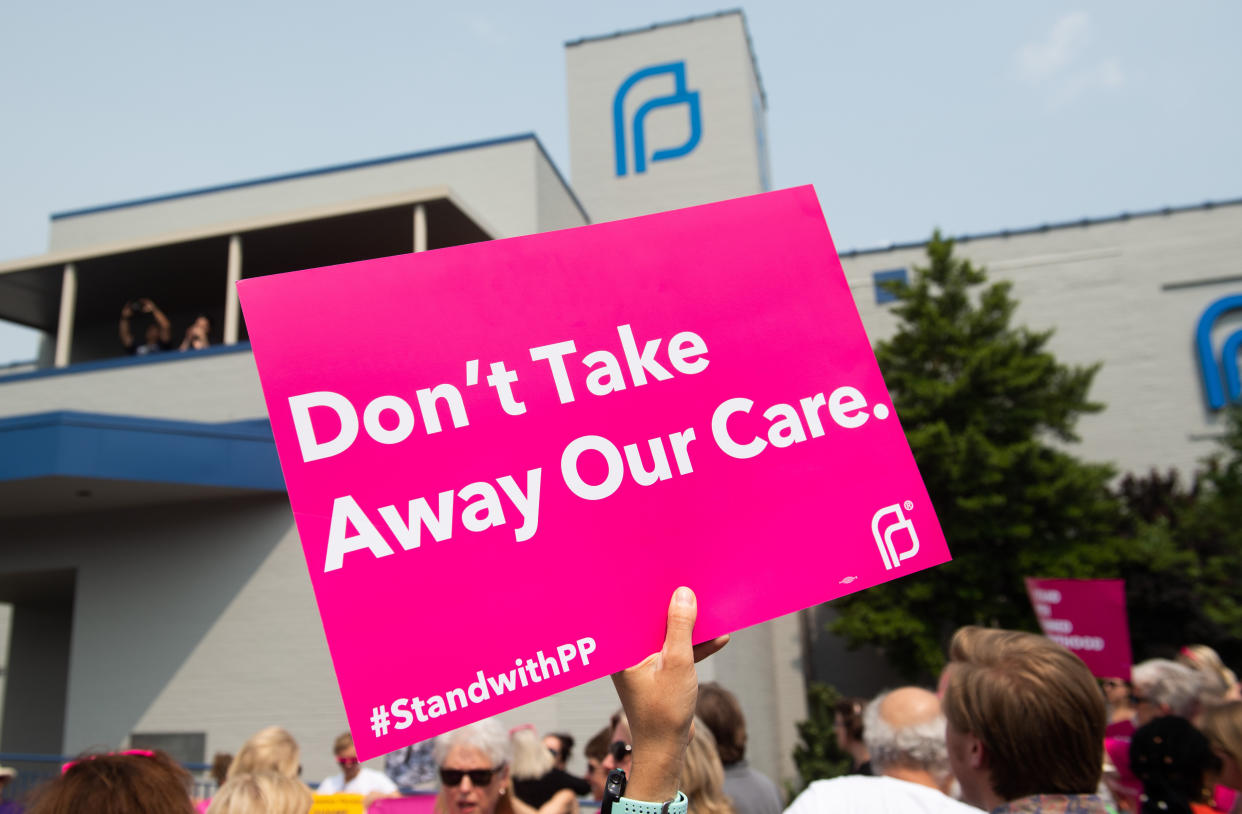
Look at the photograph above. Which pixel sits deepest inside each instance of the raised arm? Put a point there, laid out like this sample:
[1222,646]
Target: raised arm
[658,695]
[160,319]
[127,338]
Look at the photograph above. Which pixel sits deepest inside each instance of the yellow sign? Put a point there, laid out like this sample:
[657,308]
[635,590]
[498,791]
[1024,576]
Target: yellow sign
[337,804]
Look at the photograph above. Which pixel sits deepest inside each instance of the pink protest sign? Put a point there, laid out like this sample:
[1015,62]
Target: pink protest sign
[503,458]
[1088,618]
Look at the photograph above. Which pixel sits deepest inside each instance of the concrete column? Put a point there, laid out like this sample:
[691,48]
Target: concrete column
[232,310]
[420,228]
[788,690]
[36,687]
[68,306]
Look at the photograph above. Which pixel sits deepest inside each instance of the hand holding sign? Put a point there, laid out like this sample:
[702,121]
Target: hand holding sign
[658,695]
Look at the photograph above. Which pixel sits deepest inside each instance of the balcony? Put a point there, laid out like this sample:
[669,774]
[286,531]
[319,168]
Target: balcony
[75,297]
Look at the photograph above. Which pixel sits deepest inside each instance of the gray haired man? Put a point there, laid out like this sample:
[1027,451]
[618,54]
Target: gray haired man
[1163,687]
[905,732]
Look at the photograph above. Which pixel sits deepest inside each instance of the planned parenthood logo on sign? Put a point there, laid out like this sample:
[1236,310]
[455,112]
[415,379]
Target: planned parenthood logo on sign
[884,541]
[632,134]
[1221,383]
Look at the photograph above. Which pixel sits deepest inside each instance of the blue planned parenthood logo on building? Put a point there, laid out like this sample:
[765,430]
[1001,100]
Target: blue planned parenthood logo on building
[680,96]
[1221,383]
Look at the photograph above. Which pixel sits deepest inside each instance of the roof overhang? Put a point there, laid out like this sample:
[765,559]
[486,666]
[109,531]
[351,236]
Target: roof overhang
[65,462]
[60,258]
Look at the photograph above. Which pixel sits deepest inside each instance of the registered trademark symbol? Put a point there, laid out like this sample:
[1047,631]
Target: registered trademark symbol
[909,504]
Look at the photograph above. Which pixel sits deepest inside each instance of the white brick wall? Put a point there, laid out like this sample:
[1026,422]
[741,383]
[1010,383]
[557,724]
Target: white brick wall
[497,182]
[1100,287]
[725,164]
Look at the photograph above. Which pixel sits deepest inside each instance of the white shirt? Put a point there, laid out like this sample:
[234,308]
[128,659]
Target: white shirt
[874,795]
[367,781]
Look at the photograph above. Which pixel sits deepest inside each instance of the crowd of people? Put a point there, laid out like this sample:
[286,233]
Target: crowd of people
[157,333]
[1017,725]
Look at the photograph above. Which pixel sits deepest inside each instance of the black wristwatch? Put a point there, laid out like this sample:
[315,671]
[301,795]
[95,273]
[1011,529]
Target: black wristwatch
[614,790]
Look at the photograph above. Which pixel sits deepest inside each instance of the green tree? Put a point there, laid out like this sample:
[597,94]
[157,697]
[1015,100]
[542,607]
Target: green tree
[817,755]
[1213,531]
[1181,554]
[989,413]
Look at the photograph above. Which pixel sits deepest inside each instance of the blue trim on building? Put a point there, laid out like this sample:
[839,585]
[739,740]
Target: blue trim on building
[66,443]
[371,162]
[127,361]
[1047,227]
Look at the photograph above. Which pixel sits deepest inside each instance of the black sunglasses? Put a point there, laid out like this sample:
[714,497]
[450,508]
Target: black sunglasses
[620,750]
[478,777]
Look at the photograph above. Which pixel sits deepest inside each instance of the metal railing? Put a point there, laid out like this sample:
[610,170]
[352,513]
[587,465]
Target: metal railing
[35,769]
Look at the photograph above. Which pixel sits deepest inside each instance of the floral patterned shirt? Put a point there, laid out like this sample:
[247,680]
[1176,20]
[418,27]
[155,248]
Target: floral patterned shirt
[1054,804]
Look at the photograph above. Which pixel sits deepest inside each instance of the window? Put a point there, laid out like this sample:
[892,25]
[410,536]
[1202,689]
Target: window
[183,747]
[884,293]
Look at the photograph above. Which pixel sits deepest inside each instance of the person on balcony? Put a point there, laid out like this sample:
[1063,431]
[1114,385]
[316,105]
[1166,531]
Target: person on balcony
[158,334]
[196,334]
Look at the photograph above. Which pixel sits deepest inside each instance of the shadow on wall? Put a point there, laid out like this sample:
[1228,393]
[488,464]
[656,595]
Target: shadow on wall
[862,672]
[150,584]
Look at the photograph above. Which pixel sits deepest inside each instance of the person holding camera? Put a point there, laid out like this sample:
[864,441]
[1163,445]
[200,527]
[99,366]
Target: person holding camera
[158,333]
[196,334]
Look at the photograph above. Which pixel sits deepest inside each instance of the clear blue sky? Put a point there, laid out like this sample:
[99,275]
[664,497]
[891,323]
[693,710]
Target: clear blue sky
[971,116]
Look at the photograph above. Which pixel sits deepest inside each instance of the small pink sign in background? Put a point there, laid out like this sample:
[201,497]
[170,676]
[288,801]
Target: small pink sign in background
[1087,617]
[719,422]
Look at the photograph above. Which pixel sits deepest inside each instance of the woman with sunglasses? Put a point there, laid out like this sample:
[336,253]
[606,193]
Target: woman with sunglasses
[474,766]
[619,750]
[473,763]
[1117,694]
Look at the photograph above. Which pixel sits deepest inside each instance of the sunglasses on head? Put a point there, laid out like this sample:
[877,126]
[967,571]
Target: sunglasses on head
[65,767]
[478,777]
[620,750]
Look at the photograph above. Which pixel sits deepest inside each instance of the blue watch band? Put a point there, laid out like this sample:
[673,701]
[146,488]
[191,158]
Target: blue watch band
[677,805]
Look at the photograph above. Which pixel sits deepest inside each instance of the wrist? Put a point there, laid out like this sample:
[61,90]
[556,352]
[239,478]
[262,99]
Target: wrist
[655,779]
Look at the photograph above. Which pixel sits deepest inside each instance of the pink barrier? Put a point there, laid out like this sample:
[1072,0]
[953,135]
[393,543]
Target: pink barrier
[419,804]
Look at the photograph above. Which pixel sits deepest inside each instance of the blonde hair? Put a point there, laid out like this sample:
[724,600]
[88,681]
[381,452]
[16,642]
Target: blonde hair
[702,775]
[1222,724]
[531,759]
[1219,680]
[269,750]
[261,793]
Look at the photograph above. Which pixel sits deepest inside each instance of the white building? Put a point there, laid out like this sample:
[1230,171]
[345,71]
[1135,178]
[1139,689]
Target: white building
[157,587]
[1129,291]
